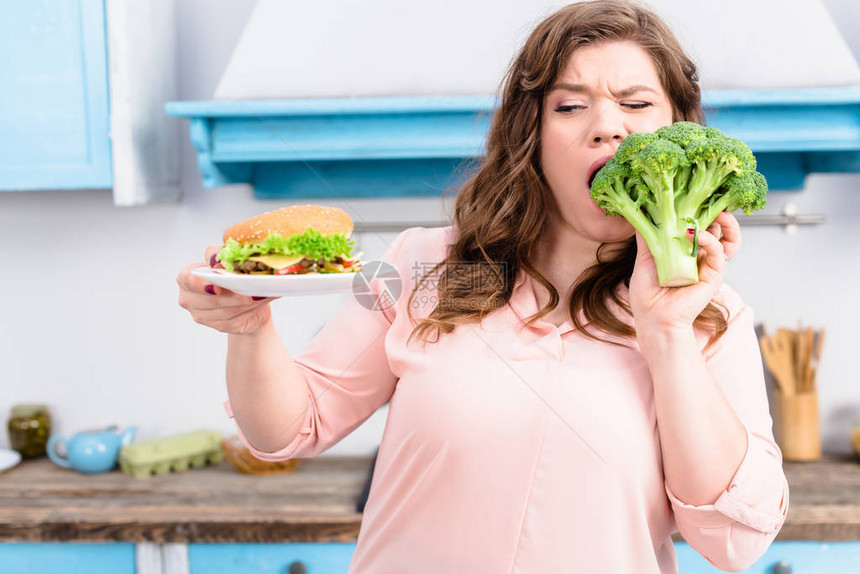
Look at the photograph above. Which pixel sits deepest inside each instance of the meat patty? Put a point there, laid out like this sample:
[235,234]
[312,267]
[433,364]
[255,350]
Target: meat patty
[256,266]
[249,266]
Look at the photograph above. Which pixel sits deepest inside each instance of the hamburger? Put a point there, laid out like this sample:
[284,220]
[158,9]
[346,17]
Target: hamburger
[292,240]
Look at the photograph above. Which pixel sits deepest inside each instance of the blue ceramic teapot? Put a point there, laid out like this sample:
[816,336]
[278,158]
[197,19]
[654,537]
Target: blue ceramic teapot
[91,451]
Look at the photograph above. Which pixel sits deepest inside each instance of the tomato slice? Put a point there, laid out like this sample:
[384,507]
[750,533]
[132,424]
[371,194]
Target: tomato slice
[347,263]
[289,269]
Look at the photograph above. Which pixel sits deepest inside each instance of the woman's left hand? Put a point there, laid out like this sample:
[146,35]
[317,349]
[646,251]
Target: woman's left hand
[672,308]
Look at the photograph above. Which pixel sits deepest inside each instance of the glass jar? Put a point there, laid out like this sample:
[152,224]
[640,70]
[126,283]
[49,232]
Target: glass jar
[29,430]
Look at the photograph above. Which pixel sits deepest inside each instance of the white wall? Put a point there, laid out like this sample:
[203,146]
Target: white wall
[451,47]
[91,325]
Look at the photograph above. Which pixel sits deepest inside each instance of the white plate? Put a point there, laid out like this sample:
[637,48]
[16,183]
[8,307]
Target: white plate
[278,285]
[8,458]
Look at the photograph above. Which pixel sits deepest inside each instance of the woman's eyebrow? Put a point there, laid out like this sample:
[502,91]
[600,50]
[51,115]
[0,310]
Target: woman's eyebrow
[582,88]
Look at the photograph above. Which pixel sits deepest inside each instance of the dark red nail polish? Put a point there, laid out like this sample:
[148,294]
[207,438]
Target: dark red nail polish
[210,289]
[212,261]
[257,298]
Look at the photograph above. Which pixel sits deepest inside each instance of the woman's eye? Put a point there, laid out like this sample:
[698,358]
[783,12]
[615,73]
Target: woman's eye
[576,107]
[569,108]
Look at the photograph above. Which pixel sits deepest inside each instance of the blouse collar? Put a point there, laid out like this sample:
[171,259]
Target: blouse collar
[523,302]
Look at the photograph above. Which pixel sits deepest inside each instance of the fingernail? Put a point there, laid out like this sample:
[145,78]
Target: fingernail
[257,298]
[691,231]
[212,261]
[210,289]
[725,211]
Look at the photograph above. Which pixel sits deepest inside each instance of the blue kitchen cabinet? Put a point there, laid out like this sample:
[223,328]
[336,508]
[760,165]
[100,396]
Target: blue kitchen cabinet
[316,557]
[334,558]
[67,558]
[54,104]
[803,558]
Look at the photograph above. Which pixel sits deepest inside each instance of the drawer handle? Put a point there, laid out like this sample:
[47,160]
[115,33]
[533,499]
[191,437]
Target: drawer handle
[782,567]
[298,567]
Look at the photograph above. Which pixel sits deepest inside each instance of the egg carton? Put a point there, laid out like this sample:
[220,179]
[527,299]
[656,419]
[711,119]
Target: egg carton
[176,453]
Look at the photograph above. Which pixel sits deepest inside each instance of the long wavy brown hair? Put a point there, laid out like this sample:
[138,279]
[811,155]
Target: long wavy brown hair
[502,210]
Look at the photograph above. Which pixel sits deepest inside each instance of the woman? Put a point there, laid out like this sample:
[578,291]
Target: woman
[569,414]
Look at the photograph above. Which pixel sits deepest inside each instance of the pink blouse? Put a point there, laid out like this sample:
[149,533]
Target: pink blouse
[526,449]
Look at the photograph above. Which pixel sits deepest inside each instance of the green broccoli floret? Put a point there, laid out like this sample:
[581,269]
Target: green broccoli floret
[748,193]
[633,144]
[682,133]
[618,198]
[680,177]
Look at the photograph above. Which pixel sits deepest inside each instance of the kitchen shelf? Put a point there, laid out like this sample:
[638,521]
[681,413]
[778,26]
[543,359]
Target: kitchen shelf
[336,148]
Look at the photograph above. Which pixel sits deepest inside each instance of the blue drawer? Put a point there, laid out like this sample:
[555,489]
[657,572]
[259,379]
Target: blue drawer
[67,558]
[318,558]
[804,558]
[334,558]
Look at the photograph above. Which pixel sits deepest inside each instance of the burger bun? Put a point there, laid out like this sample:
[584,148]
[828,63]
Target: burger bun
[291,220]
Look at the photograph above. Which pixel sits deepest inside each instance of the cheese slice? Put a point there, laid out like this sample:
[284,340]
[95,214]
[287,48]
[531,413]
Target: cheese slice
[277,261]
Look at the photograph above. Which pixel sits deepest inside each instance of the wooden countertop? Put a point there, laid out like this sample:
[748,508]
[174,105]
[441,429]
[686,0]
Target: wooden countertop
[316,503]
[40,501]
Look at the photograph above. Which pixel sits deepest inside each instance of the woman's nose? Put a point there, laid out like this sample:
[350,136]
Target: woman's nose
[608,132]
[608,127]
[608,136]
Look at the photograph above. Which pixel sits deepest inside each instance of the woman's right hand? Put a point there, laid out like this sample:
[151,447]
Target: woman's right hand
[220,308]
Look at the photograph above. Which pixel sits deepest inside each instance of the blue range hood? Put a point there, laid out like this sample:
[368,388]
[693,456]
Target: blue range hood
[335,148]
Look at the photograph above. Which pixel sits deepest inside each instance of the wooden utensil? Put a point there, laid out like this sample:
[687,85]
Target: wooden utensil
[816,357]
[810,348]
[802,358]
[778,357]
[773,364]
[799,353]
[786,346]
[792,346]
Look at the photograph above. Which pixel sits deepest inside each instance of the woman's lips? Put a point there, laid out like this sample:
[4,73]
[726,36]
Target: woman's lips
[600,162]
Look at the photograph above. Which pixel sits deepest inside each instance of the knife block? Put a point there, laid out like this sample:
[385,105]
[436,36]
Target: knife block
[798,431]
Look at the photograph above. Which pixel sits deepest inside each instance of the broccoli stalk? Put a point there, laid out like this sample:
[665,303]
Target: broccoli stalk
[678,178]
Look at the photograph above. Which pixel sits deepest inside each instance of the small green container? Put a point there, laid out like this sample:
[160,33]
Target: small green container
[29,429]
[176,453]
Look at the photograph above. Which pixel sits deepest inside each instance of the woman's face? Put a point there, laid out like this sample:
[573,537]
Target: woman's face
[605,92]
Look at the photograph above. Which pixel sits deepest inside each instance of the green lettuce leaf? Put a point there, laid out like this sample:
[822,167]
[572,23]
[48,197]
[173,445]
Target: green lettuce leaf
[312,244]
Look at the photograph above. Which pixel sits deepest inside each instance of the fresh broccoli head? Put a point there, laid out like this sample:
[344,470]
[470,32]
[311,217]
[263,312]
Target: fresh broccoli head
[678,178]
